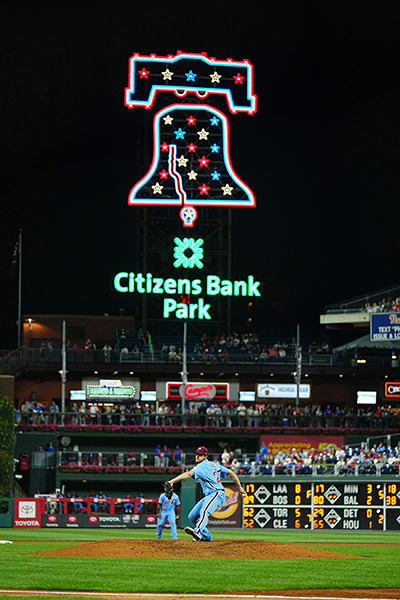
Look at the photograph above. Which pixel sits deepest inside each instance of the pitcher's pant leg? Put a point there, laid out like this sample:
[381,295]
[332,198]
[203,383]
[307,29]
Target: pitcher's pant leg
[194,514]
[210,503]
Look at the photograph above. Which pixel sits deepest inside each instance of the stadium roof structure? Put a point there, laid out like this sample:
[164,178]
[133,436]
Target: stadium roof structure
[365,342]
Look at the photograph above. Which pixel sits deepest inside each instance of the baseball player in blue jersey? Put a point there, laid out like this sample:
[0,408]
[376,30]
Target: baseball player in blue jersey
[166,510]
[209,475]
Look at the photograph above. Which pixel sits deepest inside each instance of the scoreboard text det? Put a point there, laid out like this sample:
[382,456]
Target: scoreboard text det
[324,505]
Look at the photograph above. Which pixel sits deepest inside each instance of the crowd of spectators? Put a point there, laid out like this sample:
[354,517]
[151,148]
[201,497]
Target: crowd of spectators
[384,305]
[200,414]
[340,460]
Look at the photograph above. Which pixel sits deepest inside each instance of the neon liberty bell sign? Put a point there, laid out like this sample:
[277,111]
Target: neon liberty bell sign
[191,163]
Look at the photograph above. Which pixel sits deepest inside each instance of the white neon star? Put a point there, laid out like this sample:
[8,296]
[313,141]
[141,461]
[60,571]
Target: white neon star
[215,77]
[192,174]
[203,134]
[167,74]
[168,120]
[227,189]
[157,188]
[182,161]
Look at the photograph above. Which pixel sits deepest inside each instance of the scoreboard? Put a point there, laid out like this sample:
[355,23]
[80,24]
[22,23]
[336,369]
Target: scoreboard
[323,505]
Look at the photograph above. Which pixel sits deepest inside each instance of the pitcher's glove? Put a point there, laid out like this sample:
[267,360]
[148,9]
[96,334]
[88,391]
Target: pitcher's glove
[168,489]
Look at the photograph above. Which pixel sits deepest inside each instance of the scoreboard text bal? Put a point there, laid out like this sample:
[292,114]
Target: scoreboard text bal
[325,505]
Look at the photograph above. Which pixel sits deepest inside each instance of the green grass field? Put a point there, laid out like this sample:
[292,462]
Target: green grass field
[374,566]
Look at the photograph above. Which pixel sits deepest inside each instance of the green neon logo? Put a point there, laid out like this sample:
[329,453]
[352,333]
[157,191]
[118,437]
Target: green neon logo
[188,253]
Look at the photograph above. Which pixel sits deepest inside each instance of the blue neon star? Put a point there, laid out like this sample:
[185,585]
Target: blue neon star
[216,175]
[190,76]
[180,134]
[214,121]
[215,148]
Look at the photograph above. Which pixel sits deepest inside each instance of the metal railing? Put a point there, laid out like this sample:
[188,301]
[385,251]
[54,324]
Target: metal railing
[229,419]
[244,464]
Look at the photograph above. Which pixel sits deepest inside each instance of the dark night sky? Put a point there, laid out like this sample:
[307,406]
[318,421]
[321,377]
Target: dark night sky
[322,154]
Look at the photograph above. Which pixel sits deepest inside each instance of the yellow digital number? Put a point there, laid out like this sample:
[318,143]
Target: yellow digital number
[319,499]
[248,512]
[369,500]
[318,512]
[248,500]
[380,519]
[297,524]
[248,523]
[319,488]
[392,488]
[249,487]
[297,499]
[369,488]
[297,488]
[380,494]
[297,512]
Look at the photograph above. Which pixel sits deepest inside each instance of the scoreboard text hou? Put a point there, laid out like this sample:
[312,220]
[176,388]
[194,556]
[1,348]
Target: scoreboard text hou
[323,505]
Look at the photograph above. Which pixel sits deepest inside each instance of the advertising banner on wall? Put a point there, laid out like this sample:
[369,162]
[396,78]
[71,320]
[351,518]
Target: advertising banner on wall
[285,443]
[229,515]
[385,327]
[283,390]
[27,512]
[392,389]
[80,521]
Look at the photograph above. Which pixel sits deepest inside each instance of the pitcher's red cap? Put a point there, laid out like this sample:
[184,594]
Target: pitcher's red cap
[202,450]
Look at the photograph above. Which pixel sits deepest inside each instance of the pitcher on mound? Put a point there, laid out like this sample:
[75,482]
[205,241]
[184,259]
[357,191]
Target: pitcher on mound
[209,475]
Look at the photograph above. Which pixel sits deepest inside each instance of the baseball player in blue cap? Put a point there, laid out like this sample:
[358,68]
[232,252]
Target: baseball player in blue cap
[209,475]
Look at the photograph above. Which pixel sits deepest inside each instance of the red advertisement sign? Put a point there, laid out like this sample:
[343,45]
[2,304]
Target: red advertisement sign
[285,443]
[28,512]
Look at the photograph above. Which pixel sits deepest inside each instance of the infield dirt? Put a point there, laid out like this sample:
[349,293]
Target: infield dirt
[233,549]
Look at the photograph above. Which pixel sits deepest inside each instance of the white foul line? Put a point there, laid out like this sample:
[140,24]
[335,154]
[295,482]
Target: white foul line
[179,595]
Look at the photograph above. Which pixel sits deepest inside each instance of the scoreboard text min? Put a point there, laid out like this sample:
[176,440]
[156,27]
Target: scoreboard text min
[325,505]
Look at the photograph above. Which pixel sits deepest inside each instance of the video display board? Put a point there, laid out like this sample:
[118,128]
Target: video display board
[323,505]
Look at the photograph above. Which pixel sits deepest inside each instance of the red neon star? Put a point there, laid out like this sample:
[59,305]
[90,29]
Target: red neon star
[163,174]
[144,74]
[192,148]
[191,120]
[164,147]
[204,189]
[203,161]
[238,78]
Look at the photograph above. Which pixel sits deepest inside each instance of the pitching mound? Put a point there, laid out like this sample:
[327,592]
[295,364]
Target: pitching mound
[189,549]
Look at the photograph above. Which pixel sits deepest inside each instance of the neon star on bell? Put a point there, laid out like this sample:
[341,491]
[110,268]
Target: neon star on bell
[215,148]
[191,76]
[192,174]
[163,174]
[157,188]
[164,147]
[191,120]
[192,147]
[215,77]
[180,134]
[144,74]
[214,121]
[204,161]
[203,134]
[182,161]
[227,189]
[167,74]
[216,175]
[238,78]
[204,189]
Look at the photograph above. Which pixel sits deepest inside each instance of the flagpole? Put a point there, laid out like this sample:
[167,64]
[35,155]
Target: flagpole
[19,322]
